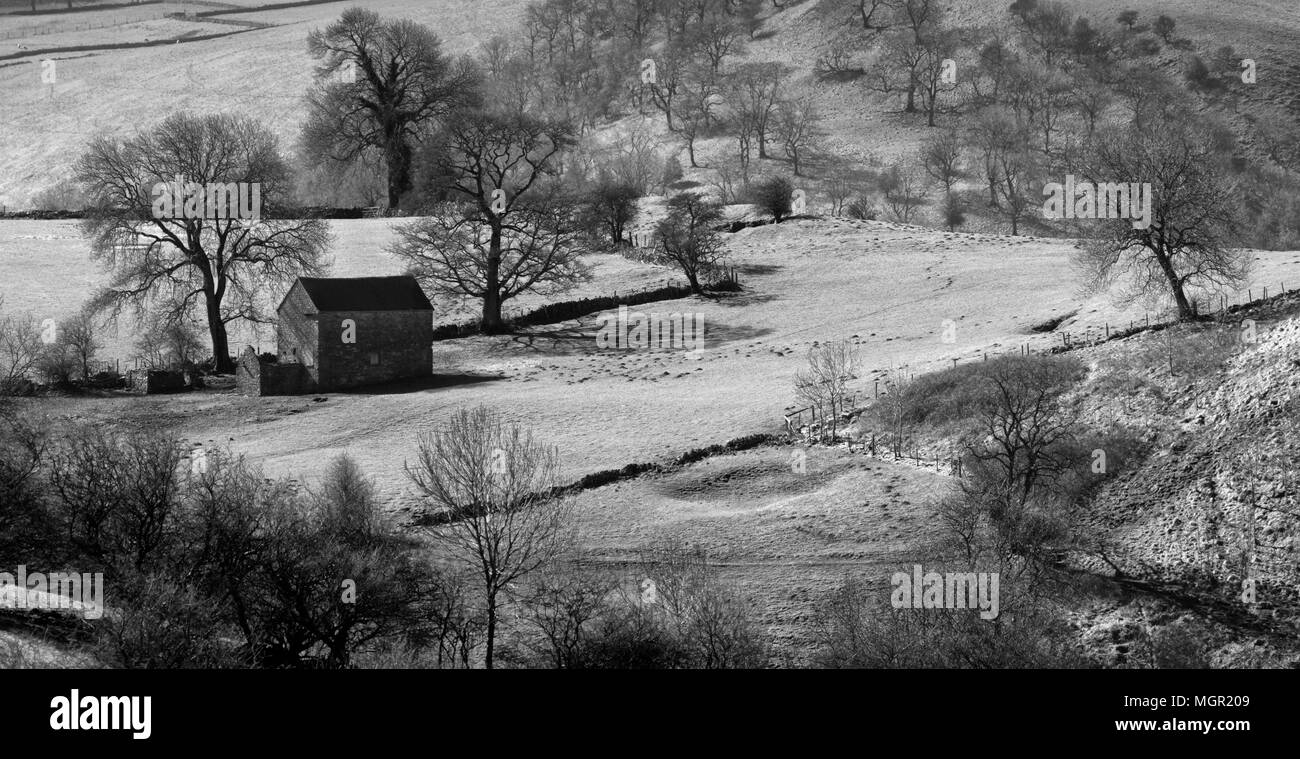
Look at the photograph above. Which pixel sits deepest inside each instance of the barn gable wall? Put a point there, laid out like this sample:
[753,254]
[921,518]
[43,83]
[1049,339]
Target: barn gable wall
[297,338]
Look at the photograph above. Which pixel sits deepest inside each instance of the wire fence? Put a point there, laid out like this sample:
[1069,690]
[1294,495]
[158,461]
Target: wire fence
[67,27]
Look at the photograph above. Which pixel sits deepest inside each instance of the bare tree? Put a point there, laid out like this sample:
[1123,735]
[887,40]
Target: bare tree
[20,348]
[80,335]
[492,481]
[890,409]
[874,15]
[1017,170]
[916,44]
[1164,26]
[754,93]
[932,82]
[824,385]
[903,190]
[797,128]
[1021,456]
[671,72]
[1196,219]
[839,187]
[941,156]
[401,81]
[695,112]
[686,237]
[564,604]
[509,235]
[215,257]
[717,35]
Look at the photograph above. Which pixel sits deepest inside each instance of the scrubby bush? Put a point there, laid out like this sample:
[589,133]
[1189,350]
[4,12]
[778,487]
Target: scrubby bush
[860,630]
[772,195]
[677,614]
[949,400]
[26,531]
[862,208]
[158,623]
[211,564]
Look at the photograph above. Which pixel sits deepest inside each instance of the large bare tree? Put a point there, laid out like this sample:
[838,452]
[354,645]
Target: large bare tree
[510,232]
[165,264]
[493,483]
[378,84]
[1197,218]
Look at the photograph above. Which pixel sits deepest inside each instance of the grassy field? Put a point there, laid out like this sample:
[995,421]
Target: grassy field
[889,288]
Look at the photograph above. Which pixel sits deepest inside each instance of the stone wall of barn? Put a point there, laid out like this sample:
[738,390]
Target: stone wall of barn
[296,334]
[383,346]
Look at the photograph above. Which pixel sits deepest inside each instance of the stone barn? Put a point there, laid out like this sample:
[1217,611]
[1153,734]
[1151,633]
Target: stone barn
[352,332]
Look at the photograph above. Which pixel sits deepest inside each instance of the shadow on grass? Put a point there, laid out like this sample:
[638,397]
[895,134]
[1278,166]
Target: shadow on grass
[422,384]
[758,269]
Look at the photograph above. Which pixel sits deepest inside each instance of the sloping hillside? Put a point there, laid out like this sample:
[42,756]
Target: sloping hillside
[264,73]
[1219,500]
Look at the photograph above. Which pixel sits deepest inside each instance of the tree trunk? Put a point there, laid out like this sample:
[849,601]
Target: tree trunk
[491,628]
[397,157]
[491,323]
[1180,297]
[220,341]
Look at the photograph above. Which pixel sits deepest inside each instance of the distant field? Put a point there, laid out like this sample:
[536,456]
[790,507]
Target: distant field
[264,73]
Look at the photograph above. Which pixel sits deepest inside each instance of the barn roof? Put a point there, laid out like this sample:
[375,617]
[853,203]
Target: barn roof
[365,293]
